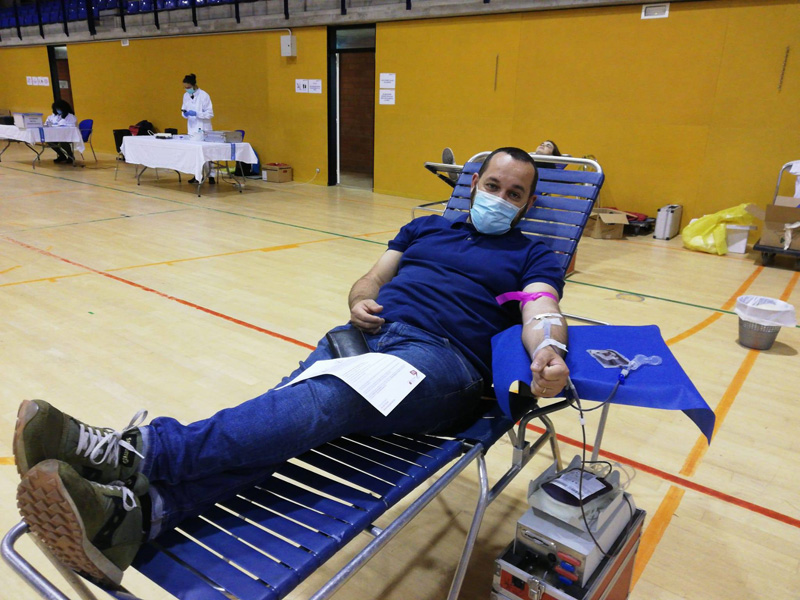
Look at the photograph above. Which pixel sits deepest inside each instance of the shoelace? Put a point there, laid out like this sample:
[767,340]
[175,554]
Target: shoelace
[92,441]
[128,497]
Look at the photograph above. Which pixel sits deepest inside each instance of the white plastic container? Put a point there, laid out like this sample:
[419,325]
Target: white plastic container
[737,238]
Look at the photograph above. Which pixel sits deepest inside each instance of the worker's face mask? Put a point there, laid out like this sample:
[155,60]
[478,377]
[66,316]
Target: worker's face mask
[491,214]
[189,91]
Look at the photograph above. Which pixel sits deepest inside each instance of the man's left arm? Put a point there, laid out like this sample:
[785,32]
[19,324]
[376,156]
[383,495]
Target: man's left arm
[544,335]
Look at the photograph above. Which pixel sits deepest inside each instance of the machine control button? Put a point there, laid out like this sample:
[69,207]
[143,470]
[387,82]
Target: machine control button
[567,567]
[567,574]
[568,559]
[564,580]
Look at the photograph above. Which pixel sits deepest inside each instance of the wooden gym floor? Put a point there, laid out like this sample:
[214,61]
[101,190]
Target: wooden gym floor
[116,297]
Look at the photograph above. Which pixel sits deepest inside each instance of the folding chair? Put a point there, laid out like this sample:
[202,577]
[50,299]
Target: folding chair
[313,505]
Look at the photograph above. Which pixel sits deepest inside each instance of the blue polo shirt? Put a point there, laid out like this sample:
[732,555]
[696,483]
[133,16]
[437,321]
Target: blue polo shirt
[449,276]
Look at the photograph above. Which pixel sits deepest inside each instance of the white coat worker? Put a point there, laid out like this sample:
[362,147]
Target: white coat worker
[196,109]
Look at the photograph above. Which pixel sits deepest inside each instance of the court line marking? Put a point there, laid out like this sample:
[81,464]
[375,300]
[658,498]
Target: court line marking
[680,481]
[603,287]
[200,206]
[28,195]
[209,311]
[669,504]
[120,217]
[730,302]
[701,447]
[55,278]
[655,531]
[652,534]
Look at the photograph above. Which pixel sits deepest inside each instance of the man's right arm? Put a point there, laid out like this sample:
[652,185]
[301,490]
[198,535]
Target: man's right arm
[363,307]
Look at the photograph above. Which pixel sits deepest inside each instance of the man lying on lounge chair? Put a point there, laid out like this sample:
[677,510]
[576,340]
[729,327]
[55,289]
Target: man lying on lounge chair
[93,495]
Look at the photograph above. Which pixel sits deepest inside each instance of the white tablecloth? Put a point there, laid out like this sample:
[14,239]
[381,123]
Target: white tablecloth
[37,135]
[182,154]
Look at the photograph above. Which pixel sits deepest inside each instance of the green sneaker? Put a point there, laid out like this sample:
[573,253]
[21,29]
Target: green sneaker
[98,454]
[91,528]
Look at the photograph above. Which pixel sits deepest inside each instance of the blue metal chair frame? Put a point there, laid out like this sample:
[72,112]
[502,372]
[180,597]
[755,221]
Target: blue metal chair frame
[312,506]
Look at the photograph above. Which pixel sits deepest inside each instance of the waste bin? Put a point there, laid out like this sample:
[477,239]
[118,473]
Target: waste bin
[760,320]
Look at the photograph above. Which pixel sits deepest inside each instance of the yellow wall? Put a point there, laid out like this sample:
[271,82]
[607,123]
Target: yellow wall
[15,94]
[250,84]
[679,110]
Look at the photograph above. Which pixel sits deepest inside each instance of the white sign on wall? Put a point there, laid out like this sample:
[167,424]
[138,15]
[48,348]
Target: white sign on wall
[386,97]
[388,81]
[29,79]
[301,86]
[64,85]
[315,86]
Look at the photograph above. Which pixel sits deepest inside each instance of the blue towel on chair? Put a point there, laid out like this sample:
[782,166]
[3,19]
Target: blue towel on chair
[664,386]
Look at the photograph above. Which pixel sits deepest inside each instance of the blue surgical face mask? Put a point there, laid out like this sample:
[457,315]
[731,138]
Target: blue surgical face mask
[189,91]
[491,214]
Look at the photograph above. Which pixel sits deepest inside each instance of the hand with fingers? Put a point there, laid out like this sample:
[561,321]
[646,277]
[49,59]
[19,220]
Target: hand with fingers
[364,315]
[550,373]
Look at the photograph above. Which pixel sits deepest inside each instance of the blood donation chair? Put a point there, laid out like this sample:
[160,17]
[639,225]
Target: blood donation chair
[262,543]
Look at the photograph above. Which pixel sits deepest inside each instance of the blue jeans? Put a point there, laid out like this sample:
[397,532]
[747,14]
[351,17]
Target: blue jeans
[193,466]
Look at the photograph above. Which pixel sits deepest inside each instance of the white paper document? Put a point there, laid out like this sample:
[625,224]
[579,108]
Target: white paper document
[382,379]
[570,481]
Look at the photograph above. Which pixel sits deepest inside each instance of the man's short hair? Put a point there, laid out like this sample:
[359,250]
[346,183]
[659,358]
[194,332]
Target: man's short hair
[517,154]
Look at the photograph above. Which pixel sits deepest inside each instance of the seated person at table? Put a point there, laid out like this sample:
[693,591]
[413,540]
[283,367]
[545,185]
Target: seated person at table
[430,299]
[62,117]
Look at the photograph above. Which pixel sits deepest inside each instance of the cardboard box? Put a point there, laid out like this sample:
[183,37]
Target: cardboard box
[606,224]
[776,217]
[26,120]
[276,172]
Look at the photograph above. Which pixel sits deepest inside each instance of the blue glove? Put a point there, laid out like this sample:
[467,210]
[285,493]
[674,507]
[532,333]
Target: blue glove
[190,113]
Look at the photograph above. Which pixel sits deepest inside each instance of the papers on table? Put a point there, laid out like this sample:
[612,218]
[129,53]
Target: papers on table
[382,379]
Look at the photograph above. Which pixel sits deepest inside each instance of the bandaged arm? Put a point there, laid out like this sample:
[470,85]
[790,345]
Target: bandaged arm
[545,340]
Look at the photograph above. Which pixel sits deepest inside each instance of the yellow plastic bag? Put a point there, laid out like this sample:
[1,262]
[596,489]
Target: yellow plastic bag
[709,233]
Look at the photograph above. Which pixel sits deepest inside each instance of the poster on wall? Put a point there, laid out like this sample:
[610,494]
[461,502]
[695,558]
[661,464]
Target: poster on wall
[388,81]
[386,97]
[301,86]
[315,86]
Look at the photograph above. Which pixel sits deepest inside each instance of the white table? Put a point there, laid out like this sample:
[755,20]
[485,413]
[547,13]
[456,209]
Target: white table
[184,155]
[41,135]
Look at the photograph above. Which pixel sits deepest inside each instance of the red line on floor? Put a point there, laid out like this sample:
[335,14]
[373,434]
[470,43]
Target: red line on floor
[163,295]
[767,512]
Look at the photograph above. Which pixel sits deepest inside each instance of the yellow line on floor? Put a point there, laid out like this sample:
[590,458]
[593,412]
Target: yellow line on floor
[655,530]
[727,306]
[6,460]
[180,260]
[10,269]
[232,253]
[721,411]
[658,524]
[50,279]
